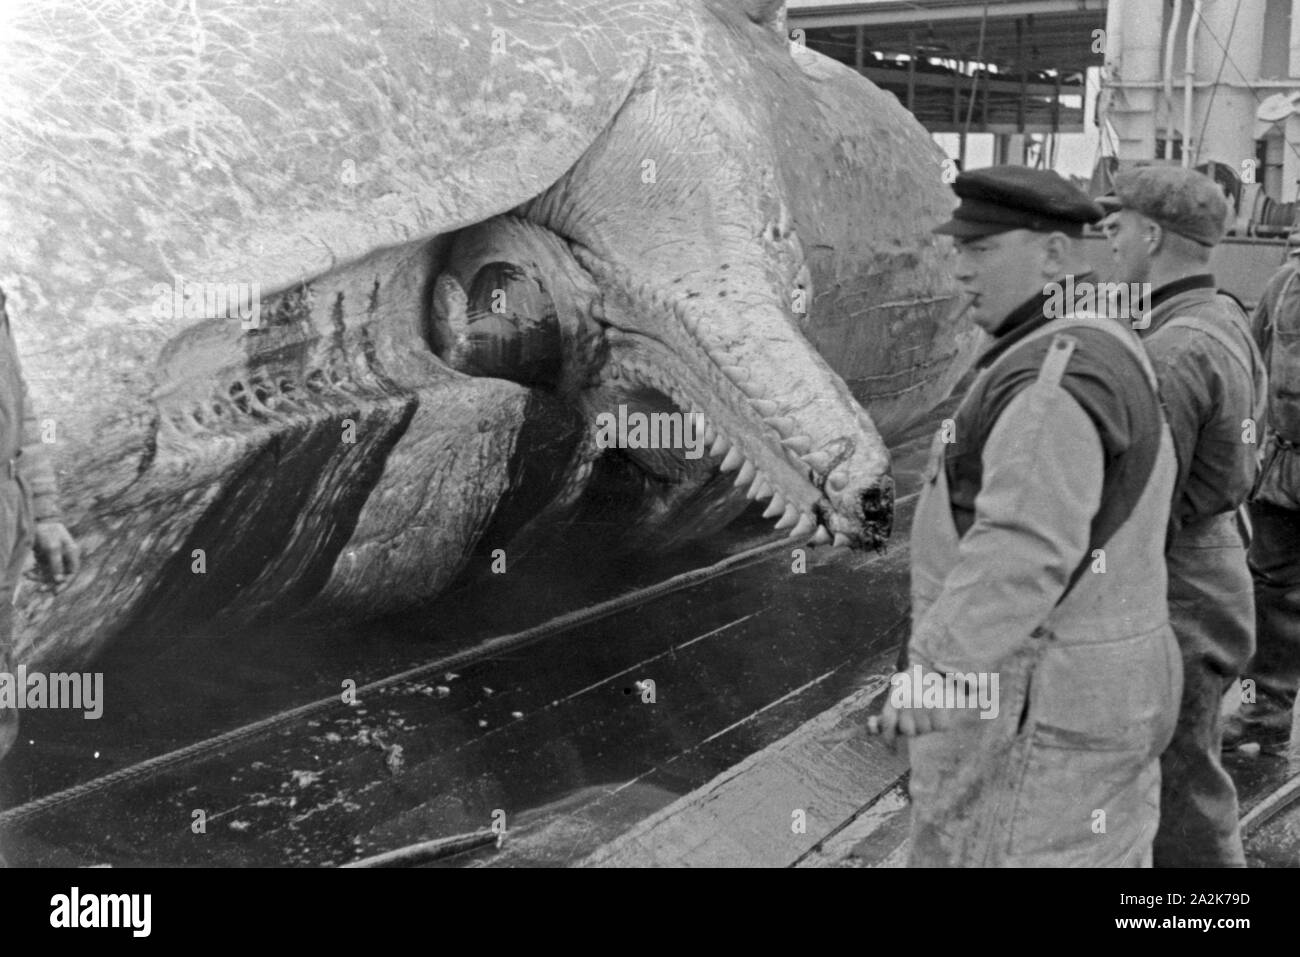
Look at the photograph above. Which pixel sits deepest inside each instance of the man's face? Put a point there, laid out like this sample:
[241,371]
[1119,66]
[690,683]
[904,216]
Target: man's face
[1131,242]
[999,273]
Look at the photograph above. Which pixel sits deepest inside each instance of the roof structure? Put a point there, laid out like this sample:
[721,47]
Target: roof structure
[1015,58]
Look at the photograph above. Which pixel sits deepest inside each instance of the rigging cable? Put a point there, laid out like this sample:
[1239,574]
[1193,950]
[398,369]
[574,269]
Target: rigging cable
[1214,90]
[1240,73]
[974,77]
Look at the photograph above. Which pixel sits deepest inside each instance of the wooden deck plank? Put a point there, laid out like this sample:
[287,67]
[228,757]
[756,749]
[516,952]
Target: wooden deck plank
[829,768]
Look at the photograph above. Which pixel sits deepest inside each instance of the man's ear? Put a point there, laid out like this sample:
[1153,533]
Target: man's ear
[1056,255]
[1150,234]
[1159,231]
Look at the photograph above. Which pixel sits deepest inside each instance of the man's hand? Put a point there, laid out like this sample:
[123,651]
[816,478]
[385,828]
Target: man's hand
[909,722]
[913,720]
[56,552]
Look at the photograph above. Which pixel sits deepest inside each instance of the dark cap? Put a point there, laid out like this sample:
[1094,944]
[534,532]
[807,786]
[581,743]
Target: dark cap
[1183,201]
[1001,198]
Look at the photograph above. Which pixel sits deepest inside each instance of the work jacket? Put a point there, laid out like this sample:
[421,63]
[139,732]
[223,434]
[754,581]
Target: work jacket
[1213,389]
[1276,330]
[1067,773]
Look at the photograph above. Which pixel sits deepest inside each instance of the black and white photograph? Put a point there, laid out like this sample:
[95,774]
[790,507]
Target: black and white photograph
[460,434]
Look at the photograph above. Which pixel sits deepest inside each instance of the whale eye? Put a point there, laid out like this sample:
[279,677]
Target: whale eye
[511,329]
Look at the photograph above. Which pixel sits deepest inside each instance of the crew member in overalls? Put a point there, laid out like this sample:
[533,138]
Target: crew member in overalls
[1037,557]
[29,507]
[1275,520]
[1213,387]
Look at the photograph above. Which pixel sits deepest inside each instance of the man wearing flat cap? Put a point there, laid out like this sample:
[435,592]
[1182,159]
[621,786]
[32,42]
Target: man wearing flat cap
[1212,384]
[1037,560]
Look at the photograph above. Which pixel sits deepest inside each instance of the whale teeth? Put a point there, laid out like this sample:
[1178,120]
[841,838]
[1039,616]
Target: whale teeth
[838,480]
[799,444]
[733,460]
[736,374]
[761,488]
[841,540]
[710,435]
[817,461]
[765,407]
[720,446]
[746,474]
[805,526]
[775,507]
[790,516]
[821,536]
[783,424]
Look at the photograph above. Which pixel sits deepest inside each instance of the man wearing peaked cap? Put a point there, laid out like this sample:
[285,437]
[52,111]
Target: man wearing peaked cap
[1212,385]
[1056,466]
[1002,209]
[999,198]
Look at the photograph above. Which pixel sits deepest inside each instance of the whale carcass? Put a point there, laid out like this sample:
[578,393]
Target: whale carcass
[323,299]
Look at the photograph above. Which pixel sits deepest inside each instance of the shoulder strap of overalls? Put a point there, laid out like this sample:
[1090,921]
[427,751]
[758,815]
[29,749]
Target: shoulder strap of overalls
[1234,347]
[1275,308]
[1057,358]
[1052,371]
[1060,329]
